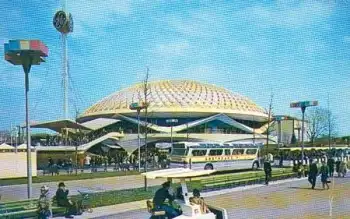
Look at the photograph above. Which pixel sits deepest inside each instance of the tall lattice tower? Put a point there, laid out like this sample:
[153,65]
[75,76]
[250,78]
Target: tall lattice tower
[63,22]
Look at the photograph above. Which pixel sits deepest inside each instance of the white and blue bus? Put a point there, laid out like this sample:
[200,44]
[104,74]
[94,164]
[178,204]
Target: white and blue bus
[198,155]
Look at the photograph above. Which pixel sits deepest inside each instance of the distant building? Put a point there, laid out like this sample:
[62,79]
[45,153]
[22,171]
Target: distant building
[203,112]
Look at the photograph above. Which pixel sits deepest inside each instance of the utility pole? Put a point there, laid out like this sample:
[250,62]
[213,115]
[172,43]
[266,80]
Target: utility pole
[329,123]
[11,130]
[253,131]
[77,143]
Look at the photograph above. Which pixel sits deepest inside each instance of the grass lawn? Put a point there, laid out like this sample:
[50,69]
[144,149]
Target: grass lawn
[80,176]
[131,195]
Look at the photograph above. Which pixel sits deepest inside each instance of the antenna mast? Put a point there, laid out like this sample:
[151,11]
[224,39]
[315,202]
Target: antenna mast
[63,22]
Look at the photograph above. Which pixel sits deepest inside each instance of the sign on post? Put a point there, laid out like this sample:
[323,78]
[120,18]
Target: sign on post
[303,104]
[137,106]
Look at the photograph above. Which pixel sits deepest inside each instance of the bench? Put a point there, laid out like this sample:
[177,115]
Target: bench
[220,213]
[156,214]
[26,209]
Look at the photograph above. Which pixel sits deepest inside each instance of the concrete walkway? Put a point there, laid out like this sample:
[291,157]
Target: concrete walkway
[291,198]
[139,207]
[19,192]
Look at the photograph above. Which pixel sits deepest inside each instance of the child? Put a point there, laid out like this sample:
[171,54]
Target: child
[44,204]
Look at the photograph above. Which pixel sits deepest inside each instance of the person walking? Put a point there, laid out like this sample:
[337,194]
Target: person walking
[330,164]
[342,169]
[337,166]
[313,171]
[267,169]
[324,175]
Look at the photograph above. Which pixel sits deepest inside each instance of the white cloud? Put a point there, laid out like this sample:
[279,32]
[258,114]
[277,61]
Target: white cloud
[288,15]
[91,15]
[199,23]
[347,39]
[177,48]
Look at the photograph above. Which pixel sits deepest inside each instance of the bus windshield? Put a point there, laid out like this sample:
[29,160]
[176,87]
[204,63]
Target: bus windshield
[179,151]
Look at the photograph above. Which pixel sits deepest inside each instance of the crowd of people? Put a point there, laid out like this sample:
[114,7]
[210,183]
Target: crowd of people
[119,161]
[328,167]
[54,167]
[71,140]
[295,156]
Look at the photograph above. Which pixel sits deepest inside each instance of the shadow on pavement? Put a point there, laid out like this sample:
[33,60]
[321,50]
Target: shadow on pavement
[294,187]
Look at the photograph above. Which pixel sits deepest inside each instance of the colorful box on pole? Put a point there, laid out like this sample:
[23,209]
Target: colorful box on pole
[16,50]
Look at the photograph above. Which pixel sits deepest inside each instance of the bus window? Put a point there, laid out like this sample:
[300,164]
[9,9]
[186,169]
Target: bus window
[199,153]
[227,152]
[179,145]
[251,151]
[179,152]
[215,152]
[237,151]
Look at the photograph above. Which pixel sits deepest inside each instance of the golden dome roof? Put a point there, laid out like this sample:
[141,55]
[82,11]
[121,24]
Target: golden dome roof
[178,96]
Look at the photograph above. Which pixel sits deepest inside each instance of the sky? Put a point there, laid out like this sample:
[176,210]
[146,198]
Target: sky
[295,50]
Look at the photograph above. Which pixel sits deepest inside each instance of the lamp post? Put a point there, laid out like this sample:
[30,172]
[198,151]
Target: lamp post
[138,107]
[253,131]
[303,105]
[172,122]
[26,53]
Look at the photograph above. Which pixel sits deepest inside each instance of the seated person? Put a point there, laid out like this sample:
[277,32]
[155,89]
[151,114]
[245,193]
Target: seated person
[44,203]
[179,194]
[64,201]
[159,198]
[198,200]
[179,198]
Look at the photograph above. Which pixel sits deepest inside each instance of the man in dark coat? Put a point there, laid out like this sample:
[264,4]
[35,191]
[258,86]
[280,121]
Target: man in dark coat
[159,198]
[63,201]
[330,164]
[268,171]
[313,171]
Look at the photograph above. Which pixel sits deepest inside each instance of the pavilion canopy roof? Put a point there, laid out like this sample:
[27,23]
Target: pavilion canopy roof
[99,123]
[58,125]
[5,146]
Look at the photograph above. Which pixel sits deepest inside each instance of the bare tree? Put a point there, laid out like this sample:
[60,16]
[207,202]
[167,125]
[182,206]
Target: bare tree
[331,120]
[269,113]
[331,128]
[320,122]
[146,93]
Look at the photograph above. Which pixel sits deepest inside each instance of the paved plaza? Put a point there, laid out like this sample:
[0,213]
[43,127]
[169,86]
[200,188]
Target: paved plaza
[293,199]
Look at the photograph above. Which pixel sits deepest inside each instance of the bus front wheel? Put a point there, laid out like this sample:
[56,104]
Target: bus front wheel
[208,167]
[255,165]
